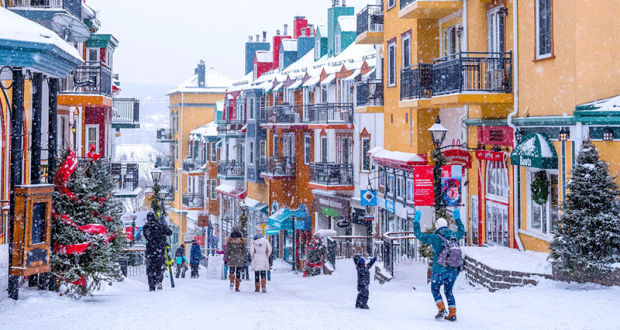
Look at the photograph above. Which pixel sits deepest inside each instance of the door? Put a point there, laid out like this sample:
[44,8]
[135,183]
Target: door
[496,46]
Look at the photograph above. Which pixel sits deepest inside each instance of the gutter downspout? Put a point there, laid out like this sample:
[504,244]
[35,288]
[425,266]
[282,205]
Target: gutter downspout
[515,90]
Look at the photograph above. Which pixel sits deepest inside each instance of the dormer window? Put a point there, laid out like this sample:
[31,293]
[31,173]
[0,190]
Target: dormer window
[317,48]
[338,44]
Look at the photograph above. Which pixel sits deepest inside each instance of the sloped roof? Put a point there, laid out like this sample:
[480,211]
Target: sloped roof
[347,23]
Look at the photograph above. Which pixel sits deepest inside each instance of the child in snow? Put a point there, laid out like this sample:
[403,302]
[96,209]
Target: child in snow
[363,280]
[181,261]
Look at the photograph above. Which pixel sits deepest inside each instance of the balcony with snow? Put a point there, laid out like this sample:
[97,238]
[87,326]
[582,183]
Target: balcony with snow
[329,115]
[164,163]
[29,8]
[370,25]
[125,113]
[193,201]
[428,9]
[370,96]
[416,86]
[279,168]
[331,176]
[230,170]
[127,179]
[165,135]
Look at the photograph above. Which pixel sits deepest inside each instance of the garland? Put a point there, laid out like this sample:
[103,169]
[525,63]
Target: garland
[540,188]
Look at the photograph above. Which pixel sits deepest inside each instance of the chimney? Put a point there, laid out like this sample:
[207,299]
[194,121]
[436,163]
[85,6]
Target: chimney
[285,29]
[310,30]
[303,32]
[257,38]
[335,3]
[299,23]
[277,32]
[264,36]
[200,70]
[344,3]
[250,39]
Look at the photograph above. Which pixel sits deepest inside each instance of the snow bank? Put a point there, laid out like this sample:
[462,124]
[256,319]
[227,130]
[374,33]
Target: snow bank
[502,258]
[4,266]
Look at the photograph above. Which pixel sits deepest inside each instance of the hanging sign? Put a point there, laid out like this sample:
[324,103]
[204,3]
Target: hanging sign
[451,178]
[368,197]
[343,223]
[423,189]
[390,206]
[458,157]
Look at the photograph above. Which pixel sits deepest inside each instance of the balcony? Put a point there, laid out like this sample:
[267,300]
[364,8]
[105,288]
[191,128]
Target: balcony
[165,135]
[127,179]
[331,176]
[370,96]
[416,86]
[338,115]
[88,85]
[73,7]
[193,201]
[168,192]
[370,25]
[473,78]
[281,115]
[126,113]
[231,128]
[190,165]
[254,170]
[428,9]
[230,170]
[164,163]
[279,168]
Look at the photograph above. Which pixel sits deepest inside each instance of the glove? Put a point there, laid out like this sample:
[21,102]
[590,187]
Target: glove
[417,217]
[456,213]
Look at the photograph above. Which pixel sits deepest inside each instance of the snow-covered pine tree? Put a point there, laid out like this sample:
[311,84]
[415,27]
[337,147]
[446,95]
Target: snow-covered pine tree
[90,218]
[588,234]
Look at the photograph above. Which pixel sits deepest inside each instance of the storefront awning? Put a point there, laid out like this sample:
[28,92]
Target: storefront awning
[281,220]
[535,150]
[231,191]
[256,206]
[397,158]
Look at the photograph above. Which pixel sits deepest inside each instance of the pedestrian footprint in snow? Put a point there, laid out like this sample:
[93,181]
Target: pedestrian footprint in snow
[445,270]
[363,280]
[181,261]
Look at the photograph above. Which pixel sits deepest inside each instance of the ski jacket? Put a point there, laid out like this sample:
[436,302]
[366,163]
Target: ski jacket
[236,252]
[195,254]
[260,250]
[180,255]
[437,244]
[363,275]
[155,233]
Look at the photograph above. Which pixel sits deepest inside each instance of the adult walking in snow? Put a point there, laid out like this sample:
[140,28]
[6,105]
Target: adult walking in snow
[235,257]
[194,258]
[155,233]
[260,250]
[442,275]
[181,261]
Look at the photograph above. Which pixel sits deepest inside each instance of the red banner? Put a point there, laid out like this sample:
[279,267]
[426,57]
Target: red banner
[458,157]
[200,240]
[423,189]
[129,232]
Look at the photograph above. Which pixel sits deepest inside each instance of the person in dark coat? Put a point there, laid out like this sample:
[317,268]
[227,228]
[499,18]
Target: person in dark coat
[194,258]
[363,280]
[235,257]
[441,275]
[181,261]
[155,233]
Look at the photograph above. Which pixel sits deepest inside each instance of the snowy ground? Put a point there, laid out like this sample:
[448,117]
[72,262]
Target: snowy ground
[323,302]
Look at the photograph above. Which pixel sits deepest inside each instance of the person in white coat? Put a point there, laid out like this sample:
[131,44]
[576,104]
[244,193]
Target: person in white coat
[260,250]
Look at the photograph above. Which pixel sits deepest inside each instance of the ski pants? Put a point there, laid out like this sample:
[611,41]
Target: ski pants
[259,274]
[194,271]
[154,274]
[362,295]
[180,268]
[447,280]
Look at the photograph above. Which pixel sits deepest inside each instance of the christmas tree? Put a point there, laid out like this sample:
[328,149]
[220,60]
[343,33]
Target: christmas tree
[588,236]
[85,227]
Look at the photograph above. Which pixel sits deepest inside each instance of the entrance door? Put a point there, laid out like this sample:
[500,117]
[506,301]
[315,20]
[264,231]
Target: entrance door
[497,191]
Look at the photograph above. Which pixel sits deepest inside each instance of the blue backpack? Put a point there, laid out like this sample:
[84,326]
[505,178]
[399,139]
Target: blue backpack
[451,255]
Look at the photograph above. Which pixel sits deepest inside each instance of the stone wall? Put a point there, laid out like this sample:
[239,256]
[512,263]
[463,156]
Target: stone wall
[477,273]
[580,277]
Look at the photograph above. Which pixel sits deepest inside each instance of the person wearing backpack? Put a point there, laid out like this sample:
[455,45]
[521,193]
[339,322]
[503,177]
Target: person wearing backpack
[446,260]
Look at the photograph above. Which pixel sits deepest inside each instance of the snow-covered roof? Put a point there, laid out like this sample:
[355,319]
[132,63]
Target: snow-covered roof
[347,23]
[215,82]
[264,57]
[322,30]
[241,84]
[289,45]
[209,129]
[608,104]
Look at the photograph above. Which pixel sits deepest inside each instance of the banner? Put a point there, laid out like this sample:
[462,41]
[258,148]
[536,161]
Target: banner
[451,178]
[423,189]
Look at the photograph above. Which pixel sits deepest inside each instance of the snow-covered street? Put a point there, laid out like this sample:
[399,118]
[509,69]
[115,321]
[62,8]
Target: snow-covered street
[323,302]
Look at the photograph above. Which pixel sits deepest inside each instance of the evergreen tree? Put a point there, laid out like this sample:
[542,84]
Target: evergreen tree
[588,235]
[90,218]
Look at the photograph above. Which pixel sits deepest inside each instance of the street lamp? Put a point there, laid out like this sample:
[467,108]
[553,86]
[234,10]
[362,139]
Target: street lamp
[438,134]
[158,194]
[156,174]
[133,228]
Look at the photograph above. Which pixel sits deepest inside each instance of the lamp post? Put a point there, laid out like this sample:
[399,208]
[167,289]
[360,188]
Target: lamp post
[158,194]
[133,228]
[438,134]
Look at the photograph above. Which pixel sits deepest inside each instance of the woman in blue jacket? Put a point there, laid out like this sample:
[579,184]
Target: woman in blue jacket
[445,276]
[181,261]
[194,258]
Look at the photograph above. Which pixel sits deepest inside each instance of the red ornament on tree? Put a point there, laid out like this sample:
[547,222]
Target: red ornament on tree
[92,154]
[66,170]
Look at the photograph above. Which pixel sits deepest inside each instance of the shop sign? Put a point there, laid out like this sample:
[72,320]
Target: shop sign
[332,207]
[200,240]
[490,155]
[423,188]
[329,212]
[343,223]
[451,178]
[272,232]
[389,205]
[458,157]
[368,197]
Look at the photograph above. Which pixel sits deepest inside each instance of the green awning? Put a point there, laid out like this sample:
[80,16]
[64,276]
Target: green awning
[535,150]
[281,220]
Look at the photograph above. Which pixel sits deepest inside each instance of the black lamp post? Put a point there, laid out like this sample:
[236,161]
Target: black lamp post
[158,194]
[438,134]
[133,228]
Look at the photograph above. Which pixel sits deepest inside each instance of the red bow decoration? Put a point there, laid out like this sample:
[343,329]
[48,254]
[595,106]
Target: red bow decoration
[110,237]
[108,218]
[80,282]
[92,154]
[94,229]
[71,249]
[66,170]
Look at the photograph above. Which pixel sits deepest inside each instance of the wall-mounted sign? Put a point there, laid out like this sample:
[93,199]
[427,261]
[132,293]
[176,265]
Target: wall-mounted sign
[343,223]
[368,197]
[423,189]
[389,205]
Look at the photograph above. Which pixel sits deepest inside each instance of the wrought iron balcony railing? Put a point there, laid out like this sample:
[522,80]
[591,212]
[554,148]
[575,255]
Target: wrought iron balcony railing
[416,81]
[126,111]
[126,176]
[280,166]
[93,77]
[282,114]
[168,192]
[331,174]
[165,134]
[189,165]
[192,200]
[473,72]
[370,19]
[328,113]
[230,168]
[72,6]
[370,93]
[230,127]
[164,162]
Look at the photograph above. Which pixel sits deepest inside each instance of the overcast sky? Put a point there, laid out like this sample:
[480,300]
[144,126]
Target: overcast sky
[161,42]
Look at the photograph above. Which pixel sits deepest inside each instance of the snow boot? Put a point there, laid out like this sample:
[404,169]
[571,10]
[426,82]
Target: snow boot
[442,311]
[232,281]
[263,282]
[256,287]
[159,287]
[452,315]
[237,283]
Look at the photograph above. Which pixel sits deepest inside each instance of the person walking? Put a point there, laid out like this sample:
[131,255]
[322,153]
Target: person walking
[155,233]
[194,258]
[441,275]
[181,261]
[260,251]
[235,257]
[363,280]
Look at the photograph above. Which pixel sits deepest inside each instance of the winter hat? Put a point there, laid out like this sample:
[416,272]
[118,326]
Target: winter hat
[441,222]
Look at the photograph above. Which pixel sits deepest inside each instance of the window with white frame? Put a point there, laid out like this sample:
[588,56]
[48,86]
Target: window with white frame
[390,185]
[251,156]
[497,223]
[317,48]
[213,147]
[365,156]
[323,149]
[307,149]
[543,218]
[400,187]
[338,44]
[263,151]
[409,188]
[543,29]
[381,176]
[392,3]
[406,50]
[92,136]
[451,44]
[391,72]
[323,94]
[213,186]
[497,180]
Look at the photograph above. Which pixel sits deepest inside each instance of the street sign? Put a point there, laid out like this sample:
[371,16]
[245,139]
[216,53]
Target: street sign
[368,197]
[343,223]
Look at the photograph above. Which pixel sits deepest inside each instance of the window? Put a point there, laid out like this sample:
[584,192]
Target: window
[390,185]
[317,48]
[400,187]
[323,94]
[307,149]
[213,186]
[497,223]
[409,187]
[365,156]
[391,3]
[544,218]
[213,151]
[391,74]
[276,152]
[92,136]
[263,151]
[406,50]
[251,112]
[451,44]
[497,180]
[338,44]
[251,156]
[543,29]
[323,149]
[93,55]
